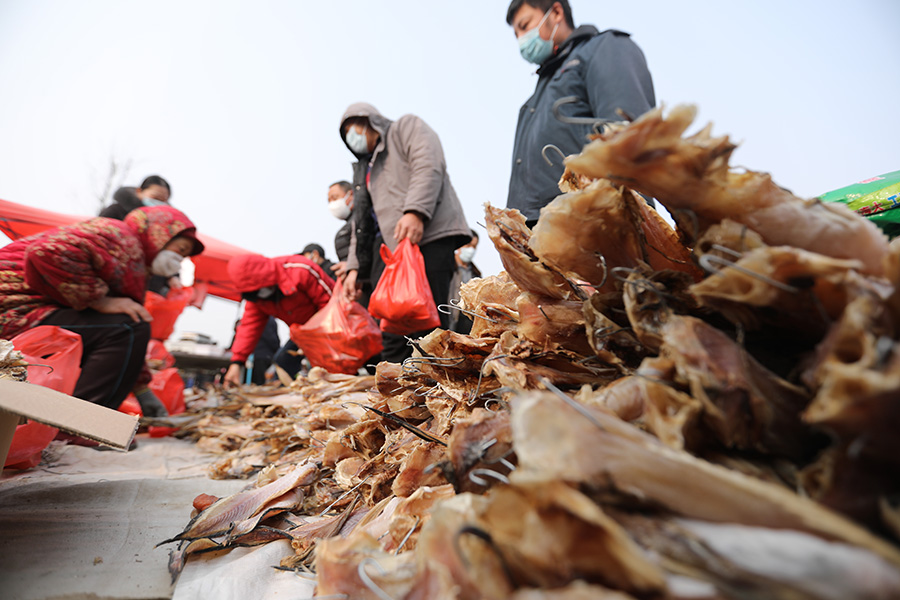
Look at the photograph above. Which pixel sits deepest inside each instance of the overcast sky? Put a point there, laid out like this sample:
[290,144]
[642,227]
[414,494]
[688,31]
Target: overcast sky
[237,103]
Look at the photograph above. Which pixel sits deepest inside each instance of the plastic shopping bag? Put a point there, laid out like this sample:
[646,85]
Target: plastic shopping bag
[169,388]
[340,337]
[402,299]
[166,310]
[54,358]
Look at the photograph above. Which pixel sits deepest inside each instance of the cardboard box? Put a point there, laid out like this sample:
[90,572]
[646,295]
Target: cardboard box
[37,403]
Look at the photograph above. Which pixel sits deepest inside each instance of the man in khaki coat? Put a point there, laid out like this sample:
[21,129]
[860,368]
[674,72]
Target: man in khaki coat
[401,189]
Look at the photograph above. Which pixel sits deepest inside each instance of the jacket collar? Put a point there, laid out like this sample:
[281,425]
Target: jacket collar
[581,34]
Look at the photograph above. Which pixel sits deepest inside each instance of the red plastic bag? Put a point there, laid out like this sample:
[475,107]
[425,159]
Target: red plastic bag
[54,356]
[169,388]
[166,310]
[157,356]
[340,337]
[402,299]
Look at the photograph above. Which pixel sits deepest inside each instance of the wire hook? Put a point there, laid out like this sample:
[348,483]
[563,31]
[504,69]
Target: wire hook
[552,147]
[367,581]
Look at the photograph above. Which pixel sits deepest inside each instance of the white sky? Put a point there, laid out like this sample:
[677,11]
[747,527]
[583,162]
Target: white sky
[237,103]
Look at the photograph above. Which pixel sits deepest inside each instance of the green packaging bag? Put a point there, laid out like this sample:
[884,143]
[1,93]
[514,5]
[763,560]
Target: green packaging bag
[877,199]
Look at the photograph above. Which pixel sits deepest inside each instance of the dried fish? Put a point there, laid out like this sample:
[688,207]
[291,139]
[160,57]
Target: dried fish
[692,173]
[221,516]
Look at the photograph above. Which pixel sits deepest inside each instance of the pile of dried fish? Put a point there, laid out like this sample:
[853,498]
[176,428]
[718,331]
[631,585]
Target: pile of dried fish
[639,411]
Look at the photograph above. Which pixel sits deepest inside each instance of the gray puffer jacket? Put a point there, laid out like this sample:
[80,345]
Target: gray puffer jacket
[407,173]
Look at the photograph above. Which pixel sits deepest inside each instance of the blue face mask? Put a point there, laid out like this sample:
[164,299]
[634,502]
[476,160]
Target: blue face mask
[533,47]
[357,141]
[153,202]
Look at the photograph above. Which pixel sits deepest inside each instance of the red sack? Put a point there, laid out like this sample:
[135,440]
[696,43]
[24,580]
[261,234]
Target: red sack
[54,356]
[340,337]
[166,310]
[402,299]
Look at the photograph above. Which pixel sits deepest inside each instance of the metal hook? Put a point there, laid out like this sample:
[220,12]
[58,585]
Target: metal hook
[407,536]
[708,262]
[474,476]
[481,375]
[501,403]
[447,308]
[594,122]
[576,405]
[727,250]
[344,495]
[367,581]
[552,147]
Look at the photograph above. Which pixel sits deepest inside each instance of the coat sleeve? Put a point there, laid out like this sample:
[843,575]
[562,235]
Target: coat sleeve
[352,258]
[74,266]
[425,159]
[617,77]
[249,331]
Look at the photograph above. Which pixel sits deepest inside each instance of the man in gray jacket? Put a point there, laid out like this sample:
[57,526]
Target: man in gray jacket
[604,73]
[401,189]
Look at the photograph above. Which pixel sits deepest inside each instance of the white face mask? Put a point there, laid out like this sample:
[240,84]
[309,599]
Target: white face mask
[266,292]
[467,254]
[358,142]
[339,209]
[166,264]
[153,202]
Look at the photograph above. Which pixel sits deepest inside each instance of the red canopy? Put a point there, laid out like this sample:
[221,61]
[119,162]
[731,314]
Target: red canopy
[18,220]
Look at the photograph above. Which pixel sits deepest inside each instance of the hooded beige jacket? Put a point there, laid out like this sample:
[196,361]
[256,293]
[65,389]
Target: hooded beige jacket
[407,172]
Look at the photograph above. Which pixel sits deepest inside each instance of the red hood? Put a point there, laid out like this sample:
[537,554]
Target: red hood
[251,272]
[156,225]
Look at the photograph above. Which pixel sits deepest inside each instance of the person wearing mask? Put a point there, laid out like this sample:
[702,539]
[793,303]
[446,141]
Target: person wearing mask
[606,74]
[291,288]
[316,253]
[465,270]
[153,191]
[90,278]
[401,189]
[340,205]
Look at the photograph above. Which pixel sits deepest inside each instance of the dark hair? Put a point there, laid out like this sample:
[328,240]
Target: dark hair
[541,5]
[155,180]
[314,248]
[474,233]
[346,186]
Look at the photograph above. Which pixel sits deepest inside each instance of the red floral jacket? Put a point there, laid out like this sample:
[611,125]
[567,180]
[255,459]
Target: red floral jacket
[75,265]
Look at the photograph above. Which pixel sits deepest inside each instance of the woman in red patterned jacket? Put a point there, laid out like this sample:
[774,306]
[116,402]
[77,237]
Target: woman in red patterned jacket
[90,278]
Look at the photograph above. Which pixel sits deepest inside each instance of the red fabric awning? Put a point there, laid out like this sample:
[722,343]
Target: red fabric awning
[211,267]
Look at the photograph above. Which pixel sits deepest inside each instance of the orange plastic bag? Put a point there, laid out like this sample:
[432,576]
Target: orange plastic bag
[340,337]
[54,357]
[402,299]
[166,310]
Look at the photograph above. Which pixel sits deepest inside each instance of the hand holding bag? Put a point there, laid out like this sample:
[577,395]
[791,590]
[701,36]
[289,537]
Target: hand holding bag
[402,299]
[340,337]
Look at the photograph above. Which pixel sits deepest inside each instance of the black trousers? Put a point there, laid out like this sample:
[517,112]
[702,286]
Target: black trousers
[113,351]
[439,268]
